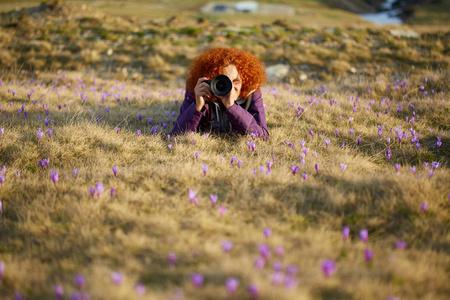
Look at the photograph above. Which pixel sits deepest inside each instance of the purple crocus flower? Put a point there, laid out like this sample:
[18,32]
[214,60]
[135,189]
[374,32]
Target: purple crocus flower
[435,165]
[438,143]
[424,207]
[2,269]
[267,232]
[304,176]
[39,134]
[289,144]
[337,132]
[1,210]
[114,168]
[259,263]
[140,117]
[351,131]
[231,284]
[233,159]
[279,251]
[328,267]
[196,154]
[277,278]
[99,188]
[18,296]
[80,281]
[75,173]
[193,198]
[253,290]
[251,146]
[2,130]
[294,169]
[345,233]
[264,251]
[80,296]
[368,254]
[239,164]
[316,166]
[49,132]
[364,235]
[343,167]
[269,166]
[112,191]
[213,199]
[413,169]
[290,282]
[54,176]
[172,258]
[169,146]
[388,154]
[222,210]
[397,168]
[2,179]
[117,278]
[291,270]
[138,132]
[46,161]
[226,246]
[197,280]
[277,266]
[205,169]
[140,289]
[117,129]
[401,245]
[150,121]
[311,133]
[359,140]
[92,191]
[59,292]
[327,142]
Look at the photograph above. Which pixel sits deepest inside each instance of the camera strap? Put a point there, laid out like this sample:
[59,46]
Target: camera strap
[217,117]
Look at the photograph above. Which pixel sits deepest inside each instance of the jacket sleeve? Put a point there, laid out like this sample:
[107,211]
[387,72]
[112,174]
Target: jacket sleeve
[251,121]
[189,118]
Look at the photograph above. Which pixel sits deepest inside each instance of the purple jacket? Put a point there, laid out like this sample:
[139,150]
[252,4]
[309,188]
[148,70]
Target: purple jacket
[246,122]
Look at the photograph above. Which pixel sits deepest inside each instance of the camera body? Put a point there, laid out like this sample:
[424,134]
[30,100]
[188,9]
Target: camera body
[221,85]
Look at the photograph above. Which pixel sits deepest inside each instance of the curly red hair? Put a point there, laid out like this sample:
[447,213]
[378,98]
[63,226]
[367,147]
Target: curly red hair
[211,62]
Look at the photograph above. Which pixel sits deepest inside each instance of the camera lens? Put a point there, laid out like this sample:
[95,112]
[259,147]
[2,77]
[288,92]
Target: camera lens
[221,85]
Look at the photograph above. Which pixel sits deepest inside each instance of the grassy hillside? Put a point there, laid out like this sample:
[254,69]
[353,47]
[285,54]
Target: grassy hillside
[99,202]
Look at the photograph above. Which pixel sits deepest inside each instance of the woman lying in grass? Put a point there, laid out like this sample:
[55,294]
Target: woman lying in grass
[239,111]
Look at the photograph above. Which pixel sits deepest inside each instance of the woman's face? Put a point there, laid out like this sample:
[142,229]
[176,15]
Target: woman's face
[235,78]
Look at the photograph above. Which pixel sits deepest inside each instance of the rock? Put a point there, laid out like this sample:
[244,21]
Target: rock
[303,77]
[278,71]
[399,33]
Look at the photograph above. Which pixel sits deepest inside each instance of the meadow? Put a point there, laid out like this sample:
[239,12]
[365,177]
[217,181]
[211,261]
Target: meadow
[348,198]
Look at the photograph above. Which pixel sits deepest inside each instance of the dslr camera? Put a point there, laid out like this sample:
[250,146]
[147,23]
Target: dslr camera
[221,85]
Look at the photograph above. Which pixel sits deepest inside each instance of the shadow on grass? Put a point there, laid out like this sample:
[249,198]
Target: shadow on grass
[329,293]
[378,205]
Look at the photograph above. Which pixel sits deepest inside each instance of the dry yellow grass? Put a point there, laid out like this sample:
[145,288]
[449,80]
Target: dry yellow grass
[50,233]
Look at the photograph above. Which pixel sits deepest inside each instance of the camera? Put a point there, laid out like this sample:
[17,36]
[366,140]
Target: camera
[221,85]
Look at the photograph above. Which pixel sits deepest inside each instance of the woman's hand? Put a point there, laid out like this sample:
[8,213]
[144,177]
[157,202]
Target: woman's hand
[202,90]
[229,99]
